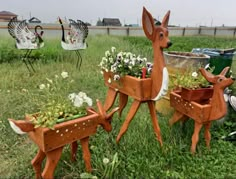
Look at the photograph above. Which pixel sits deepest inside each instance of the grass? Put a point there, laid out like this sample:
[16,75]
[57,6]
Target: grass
[138,155]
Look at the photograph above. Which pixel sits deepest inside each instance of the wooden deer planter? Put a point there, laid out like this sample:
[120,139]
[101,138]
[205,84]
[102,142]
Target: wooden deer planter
[202,113]
[51,142]
[144,90]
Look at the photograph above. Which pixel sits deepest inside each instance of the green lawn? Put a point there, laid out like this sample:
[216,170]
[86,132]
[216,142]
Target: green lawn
[138,153]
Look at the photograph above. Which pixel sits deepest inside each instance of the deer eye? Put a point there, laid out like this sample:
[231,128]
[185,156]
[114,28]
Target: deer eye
[161,35]
[220,79]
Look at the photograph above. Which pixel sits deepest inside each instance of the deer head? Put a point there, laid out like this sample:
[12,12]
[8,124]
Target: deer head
[218,81]
[157,34]
[159,37]
[105,119]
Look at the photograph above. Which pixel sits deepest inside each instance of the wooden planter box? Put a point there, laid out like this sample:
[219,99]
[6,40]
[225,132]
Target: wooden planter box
[65,132]
[139,89]
[197,95]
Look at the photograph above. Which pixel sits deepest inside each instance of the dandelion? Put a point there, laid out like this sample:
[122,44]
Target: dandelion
[42,86]
[105,161]
[64,74]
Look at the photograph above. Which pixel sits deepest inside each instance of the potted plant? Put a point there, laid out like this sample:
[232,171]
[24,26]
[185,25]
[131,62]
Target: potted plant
[192,85]
[126,72]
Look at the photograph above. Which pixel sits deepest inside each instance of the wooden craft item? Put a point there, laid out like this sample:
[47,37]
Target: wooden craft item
[51,142]
[202,113]
[143,90]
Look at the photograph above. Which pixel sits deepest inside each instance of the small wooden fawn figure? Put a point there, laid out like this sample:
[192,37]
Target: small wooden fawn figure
[202,114]
[159,77]
[51,142]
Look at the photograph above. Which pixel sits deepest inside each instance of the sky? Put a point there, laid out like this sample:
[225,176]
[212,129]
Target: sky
[191,13]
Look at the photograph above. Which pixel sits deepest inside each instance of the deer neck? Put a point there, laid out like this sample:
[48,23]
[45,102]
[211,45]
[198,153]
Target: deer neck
[159,75]
[218,105]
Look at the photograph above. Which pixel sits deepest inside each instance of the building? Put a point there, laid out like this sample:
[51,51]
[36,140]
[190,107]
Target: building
[111,22]
[5,16]
[34,20]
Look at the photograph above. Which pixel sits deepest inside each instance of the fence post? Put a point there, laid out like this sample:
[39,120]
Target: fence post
[199,31]
[108,31]
[234,32]
[215,31]
[183,33]
[127,31]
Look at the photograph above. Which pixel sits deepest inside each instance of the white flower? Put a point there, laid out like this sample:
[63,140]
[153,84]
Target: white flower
[109,80]
[116,77]
[72,96]
[78,101]
[56,76]
[64,74]
[101,72]
[194,74]
[82,94]
[105,161]
[42,86]
[107,53]
[88,100]
[113,49]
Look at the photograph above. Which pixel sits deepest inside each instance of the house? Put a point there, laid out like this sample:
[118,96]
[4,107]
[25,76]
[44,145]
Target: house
[34,20]
[6,16]
[111,22]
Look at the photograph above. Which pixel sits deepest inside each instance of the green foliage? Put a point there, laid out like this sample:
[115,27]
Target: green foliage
[139,153]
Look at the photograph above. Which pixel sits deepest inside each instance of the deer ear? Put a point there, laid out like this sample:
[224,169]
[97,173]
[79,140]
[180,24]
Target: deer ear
[209,77]
[148,24]
[165,20]
[224,71]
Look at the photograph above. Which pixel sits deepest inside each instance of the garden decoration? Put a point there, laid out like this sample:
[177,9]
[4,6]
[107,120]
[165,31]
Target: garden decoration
[75,39]
[146,90]
[25,39]
[51,142]
[203,112]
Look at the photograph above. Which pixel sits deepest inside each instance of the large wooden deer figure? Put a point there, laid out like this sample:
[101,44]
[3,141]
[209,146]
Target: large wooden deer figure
[159,77]
[51,142]
[202,114]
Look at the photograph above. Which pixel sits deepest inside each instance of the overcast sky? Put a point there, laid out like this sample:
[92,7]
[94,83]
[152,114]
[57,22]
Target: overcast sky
[183,12]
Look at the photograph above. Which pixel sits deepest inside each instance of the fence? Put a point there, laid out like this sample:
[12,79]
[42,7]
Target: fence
[54,30]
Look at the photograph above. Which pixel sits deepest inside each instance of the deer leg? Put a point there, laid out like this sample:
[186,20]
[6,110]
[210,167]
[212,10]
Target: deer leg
[110,98]
[134,107]
[151,106]
[176,117]
[51,163]
[37,163]
[73,149]
[207,134]
[122,102]
[195,137]
[86,153]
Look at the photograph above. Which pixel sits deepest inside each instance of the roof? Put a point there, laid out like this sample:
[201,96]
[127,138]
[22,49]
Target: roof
[111,22]
[34,20]
[7,13]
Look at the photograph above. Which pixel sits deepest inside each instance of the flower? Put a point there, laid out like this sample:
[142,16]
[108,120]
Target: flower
[105,161]
[54,103]
[64,74]
[124,63]
[190,78]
